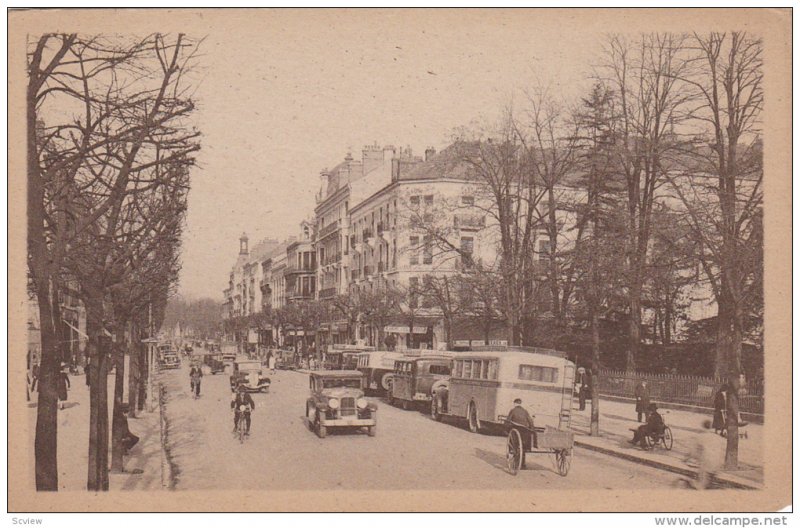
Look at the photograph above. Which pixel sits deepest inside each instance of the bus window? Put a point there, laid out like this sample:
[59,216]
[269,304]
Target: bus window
[537,373]
[493,370]
[440,369]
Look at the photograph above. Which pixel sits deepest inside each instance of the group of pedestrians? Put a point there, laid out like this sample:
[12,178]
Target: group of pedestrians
[62,383]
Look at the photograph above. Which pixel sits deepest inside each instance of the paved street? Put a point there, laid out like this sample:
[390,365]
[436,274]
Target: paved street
[410,451]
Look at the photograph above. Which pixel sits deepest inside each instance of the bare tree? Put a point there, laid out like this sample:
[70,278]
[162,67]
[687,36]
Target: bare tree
[721,190]
[107,117]
[643,74]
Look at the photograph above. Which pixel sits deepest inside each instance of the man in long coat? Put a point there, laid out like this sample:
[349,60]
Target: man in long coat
[642,394]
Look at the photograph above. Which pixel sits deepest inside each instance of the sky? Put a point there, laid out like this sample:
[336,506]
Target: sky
[288,94]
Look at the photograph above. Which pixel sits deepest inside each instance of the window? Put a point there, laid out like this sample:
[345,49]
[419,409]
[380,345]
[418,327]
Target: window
[544,249]
[467,247]
[537,373]
[440,369]
[467,369]
[429,200]
[414,200]
[467,200]
[414,258]
[427,253]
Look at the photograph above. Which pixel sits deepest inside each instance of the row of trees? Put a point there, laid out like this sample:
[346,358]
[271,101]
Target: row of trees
[110,147]
[654,173]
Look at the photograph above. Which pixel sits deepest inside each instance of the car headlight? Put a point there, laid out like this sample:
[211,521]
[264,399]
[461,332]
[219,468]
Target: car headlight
[333,403]
[361,403]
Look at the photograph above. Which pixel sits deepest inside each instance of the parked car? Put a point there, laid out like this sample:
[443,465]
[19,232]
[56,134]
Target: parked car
[170,360]
[214,363]
[378,369]
[337,400]
[248,372]
[416,379]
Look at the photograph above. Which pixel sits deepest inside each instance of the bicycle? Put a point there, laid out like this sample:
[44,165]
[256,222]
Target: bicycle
[241,425]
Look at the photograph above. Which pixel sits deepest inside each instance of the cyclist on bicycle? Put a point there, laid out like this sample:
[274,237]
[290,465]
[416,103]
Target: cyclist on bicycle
[242,398]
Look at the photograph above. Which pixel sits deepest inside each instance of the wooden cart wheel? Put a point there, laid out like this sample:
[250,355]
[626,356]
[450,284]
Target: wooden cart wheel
[667,438]
[563,461]
[514,452]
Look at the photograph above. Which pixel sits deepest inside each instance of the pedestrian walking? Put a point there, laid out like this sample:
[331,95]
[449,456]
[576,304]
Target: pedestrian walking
[63,386]
[35,377]
[706,453]
[585,390]
[642,394]
[272,362]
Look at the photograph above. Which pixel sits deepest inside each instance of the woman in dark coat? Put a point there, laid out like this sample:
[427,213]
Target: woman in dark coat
[642,394]
[63,385]
[720,407]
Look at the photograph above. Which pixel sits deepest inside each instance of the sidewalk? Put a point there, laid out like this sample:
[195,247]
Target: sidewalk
[617,418]
[73,443]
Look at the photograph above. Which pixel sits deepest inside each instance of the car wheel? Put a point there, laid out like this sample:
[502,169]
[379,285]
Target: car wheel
[472,417]
[322,431]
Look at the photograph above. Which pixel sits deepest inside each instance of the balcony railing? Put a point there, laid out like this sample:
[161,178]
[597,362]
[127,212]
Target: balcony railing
[469,221]
[328,229]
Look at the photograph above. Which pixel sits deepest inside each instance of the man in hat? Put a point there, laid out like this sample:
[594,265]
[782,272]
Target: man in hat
[654,425]
[520,417]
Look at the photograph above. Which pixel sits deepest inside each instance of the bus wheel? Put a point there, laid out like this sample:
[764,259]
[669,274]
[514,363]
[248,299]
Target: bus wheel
[472,417]
[386,382]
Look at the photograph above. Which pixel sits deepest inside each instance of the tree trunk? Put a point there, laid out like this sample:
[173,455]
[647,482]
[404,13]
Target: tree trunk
[98,399]
[594,429]
[133,376]
[634,327]
[46,443]
[117,427]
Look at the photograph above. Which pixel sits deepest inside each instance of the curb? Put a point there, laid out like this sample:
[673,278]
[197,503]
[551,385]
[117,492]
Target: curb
[663,466]
[167,473]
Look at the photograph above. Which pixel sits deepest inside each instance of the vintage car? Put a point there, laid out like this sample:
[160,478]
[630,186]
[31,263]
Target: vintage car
[378,370]
[416,379]
[248,372]
[284,359]
[170,360]
[337,400]
[214,363]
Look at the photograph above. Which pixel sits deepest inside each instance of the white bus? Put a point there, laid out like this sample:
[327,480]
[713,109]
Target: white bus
[484,384]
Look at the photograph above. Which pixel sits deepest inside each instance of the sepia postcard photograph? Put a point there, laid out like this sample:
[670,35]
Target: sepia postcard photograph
[399,260]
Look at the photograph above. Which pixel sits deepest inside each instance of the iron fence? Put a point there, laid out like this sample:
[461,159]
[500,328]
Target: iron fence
[672,388]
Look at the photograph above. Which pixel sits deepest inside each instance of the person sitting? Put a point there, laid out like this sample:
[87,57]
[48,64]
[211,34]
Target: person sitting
[242,397]
[653,426]
[520,417]
[128,438]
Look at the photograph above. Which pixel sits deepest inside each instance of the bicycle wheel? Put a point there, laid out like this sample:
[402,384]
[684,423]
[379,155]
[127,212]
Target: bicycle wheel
[514,451]
[667,438]
[563,461]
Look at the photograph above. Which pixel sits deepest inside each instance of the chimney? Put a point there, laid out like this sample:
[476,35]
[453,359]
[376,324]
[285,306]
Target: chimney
[395,169]
[372,157]
[429,153]
[243,249]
